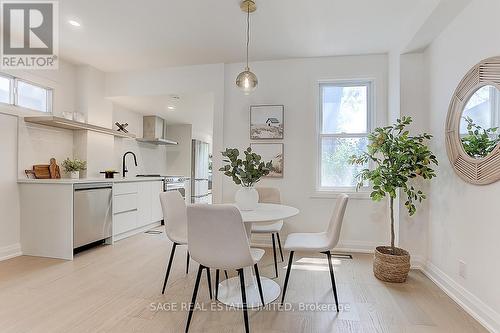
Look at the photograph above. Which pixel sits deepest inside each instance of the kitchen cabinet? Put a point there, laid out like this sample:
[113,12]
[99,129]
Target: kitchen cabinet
[144,204]
[124,222]
[47,212]
[156,210]
[136,205]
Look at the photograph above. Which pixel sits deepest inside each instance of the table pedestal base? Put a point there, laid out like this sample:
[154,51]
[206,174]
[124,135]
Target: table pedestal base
[230,292]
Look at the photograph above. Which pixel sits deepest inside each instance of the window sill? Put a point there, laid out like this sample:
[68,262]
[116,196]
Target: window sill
[362,194]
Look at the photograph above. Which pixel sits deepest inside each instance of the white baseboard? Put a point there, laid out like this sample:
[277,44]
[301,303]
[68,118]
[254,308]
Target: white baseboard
[484,314]
[417,262]
[10,251]
[356,247]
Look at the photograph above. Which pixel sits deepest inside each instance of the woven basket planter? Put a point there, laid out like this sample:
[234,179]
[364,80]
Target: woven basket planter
[391,267]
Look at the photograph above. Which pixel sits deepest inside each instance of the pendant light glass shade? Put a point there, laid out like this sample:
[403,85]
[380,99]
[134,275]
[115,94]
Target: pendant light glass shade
[247,81]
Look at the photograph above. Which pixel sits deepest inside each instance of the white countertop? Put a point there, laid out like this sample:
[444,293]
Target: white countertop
[67,181]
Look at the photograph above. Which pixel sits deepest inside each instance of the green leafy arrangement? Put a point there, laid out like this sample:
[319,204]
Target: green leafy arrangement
[74,165]
[247,171]
[479,142]
[397,158]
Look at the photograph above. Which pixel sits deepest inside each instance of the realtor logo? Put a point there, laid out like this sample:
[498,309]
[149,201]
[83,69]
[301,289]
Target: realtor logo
[29,35]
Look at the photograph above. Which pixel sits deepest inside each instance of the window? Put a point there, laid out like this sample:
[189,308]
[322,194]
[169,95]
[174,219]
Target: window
[33,97]
[5,89]
[24,94]
[483,107]
[345,121]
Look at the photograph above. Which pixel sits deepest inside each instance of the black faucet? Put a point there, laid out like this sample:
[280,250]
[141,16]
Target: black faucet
[124,167]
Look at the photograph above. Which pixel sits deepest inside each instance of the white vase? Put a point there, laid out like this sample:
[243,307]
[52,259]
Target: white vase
[74,174]
[247,198]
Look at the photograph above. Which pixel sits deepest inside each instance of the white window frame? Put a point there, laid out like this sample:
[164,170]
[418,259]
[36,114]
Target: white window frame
[321,191]
[48,95]
[12,107]
[11,88]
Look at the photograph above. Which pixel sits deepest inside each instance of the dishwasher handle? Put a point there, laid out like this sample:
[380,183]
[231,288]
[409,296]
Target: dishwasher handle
[94,186]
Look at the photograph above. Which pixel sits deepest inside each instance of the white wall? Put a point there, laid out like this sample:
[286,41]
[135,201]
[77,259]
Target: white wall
[23,145]
[37,144]
[9,193]
[179,156]
[185,80]
[414,103]
[98,110]
[294,83]
[151,159]
[463,218]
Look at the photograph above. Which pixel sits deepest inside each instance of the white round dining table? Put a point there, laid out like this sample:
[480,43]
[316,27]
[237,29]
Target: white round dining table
[229,290]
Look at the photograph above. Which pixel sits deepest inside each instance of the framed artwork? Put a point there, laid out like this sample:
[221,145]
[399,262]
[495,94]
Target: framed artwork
[271,152]
[266,122]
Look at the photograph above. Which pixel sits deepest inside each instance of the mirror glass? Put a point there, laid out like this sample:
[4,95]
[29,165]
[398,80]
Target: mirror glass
[479,123]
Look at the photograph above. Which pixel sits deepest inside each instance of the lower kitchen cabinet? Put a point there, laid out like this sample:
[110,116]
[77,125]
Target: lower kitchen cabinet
[144,207]
[156,211]
[125,221]
[135,207]
[47,212]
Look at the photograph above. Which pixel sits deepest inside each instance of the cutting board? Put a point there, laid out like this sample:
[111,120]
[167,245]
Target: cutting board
[42,171]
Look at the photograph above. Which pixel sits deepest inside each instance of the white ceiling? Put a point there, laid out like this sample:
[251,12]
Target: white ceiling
[189,109]
[118,35]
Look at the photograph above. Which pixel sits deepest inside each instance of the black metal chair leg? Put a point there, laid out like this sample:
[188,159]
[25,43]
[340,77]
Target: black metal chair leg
[187,263]
[217,271]
[334,287]
[209,280]
[169,267]
[274,253]
[244,298]
[279,245]
[257,276]
[225,273]
[288,269]
[193,300]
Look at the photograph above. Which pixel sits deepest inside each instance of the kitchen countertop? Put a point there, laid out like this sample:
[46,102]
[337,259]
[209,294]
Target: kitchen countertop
[67,181]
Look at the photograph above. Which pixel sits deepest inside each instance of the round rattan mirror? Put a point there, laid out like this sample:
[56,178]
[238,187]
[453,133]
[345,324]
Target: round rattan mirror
[472,133]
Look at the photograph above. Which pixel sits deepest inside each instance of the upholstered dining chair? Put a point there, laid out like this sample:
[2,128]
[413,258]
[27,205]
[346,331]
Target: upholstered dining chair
[217,239]
[175,216]
[270,195]
[321,242]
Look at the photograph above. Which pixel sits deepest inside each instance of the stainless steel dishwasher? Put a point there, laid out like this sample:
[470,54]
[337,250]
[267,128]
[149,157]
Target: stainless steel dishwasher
[92,221]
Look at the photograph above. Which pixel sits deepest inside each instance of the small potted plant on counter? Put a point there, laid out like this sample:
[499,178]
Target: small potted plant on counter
[398,159]
[245,172]
[73,167]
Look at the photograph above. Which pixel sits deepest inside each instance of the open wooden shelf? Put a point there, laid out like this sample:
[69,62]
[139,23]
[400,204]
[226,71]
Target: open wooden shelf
[60,122]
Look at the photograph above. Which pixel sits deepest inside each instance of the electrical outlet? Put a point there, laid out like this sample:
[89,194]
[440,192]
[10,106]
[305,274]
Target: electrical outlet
[462,269]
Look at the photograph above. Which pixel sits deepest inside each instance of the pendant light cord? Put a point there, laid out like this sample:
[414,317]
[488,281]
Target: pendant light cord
[248,29]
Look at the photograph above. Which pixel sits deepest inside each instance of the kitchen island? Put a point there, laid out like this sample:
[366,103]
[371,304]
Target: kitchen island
[48,211]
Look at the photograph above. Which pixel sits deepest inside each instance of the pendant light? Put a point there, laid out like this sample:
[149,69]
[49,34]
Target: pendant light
[246,80]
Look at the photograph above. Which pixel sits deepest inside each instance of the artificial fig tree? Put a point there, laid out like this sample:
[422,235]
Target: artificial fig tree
[396,159]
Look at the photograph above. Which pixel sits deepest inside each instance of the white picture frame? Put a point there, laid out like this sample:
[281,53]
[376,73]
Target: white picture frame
[267,122]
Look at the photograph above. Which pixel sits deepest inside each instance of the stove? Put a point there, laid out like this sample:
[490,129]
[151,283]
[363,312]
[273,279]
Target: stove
[171,183]
[175,179]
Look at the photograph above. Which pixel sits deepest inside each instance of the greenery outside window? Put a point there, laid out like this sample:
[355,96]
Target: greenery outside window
[345,110]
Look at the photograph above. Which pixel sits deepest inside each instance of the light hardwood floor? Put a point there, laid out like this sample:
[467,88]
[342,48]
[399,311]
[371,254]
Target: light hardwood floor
[114,288]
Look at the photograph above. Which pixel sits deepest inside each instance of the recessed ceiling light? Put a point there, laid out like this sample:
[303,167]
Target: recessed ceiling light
[170,107]
[74,23]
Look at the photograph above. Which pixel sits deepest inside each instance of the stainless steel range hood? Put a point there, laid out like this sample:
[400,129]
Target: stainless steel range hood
[154,130]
